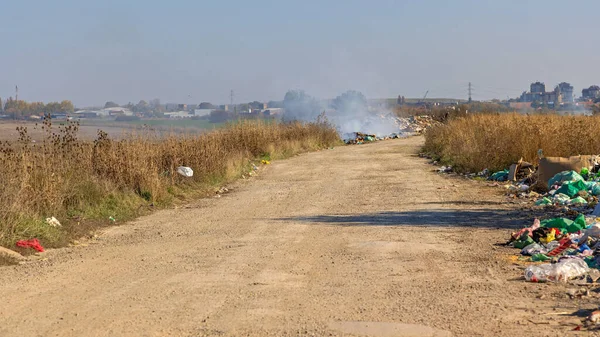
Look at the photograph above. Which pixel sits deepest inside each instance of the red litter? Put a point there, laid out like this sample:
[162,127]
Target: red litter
[32,243]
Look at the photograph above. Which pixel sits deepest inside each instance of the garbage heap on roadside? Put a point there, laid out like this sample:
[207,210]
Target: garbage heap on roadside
[568,247]
[402,127]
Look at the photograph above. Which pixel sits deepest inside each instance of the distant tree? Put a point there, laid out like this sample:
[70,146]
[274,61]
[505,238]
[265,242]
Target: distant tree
[110,104]
[142,107]
[350,102]
[206,105]
[36,108]
[52,108]
[156,107]
[67,106]
[244,107]
[300,106]
[129,106]
[255,105]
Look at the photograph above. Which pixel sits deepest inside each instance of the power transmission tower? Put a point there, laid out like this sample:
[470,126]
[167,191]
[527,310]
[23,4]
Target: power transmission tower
[470,92]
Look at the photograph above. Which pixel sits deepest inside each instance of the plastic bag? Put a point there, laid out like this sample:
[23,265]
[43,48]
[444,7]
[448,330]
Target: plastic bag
[578,201]
[566,225]
[499,176]
[572,188]
[561,199]
[558,272]
[564,176]
[543,202]
[596,189]
[185,171]
[540,257]
[53,222]
[534,248]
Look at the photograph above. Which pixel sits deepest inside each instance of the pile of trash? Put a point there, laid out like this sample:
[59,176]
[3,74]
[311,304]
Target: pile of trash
[570,244]
[384,127]
[357,138]
[419,124]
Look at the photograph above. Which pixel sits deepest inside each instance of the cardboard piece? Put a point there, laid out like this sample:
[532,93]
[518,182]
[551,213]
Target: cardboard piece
[550,166]
[512,172]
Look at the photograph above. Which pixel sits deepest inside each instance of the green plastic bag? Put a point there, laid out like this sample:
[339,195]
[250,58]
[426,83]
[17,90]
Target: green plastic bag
[523,243]
[543,202]
[566,225]
[564,176]
[540,257]
[579,201]
[572,188]
[500,176]
[596,189]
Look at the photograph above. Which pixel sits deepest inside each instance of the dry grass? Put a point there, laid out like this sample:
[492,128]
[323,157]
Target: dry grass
[83,183]
[495,141]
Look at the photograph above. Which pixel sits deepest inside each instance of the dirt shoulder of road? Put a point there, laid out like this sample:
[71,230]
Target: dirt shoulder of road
[355,241]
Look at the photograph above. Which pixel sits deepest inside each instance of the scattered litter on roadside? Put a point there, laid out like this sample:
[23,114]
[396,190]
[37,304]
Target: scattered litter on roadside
[53,222]
[404,127]
[185,171]
[112,219]
[265,162]
[31,243]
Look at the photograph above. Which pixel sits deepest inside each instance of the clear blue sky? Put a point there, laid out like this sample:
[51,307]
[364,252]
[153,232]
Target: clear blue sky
[198,50]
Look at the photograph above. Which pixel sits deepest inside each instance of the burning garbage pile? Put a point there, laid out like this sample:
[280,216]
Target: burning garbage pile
[383,127]
[358,138]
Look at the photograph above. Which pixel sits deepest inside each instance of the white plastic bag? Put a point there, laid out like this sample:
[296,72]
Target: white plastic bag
[185,171]
[53,222]
[557,272]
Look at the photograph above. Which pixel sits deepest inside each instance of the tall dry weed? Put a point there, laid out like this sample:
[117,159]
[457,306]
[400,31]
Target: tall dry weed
[495,141]
[83,182]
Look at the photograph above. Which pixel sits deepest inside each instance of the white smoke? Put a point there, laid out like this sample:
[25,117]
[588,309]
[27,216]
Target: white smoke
[349,113]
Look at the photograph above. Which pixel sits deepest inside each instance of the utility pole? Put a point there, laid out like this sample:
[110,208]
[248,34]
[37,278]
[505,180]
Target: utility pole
[470,92]
[16,101]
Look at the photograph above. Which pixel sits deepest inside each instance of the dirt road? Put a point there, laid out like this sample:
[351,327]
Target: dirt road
[355,241]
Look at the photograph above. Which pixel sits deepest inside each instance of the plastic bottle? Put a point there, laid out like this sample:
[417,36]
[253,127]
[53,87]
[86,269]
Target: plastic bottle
[561,271]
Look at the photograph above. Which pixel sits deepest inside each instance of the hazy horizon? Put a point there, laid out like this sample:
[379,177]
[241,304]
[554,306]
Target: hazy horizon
[191,52]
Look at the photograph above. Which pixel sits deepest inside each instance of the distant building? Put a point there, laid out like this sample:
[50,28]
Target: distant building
[87,114]
[562,93]
[202,112]
[592,93]
[273,112]
[538,88]
[117,111]
[566,91]
[175,107]
[179,114]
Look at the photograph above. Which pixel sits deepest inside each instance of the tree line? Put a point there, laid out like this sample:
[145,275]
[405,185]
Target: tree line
[19,108]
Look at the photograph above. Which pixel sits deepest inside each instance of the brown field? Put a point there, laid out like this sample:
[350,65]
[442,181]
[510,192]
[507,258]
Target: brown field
[8,130]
